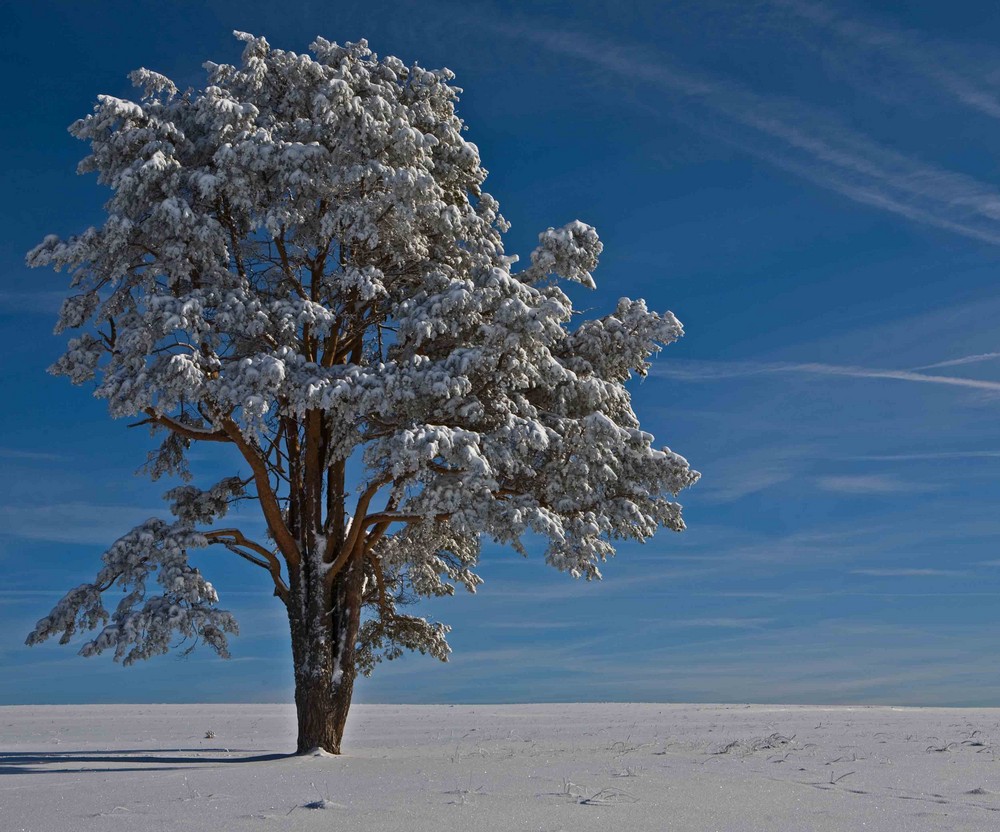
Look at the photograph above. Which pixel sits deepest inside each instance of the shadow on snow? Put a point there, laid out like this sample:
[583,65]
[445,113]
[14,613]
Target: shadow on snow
[158,759]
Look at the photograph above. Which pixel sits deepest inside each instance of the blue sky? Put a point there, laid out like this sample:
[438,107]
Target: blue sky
[812,188]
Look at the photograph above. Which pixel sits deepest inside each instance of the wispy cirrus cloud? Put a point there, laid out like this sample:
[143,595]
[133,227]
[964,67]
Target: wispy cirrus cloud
[792,135]
[714,371]
[907,573]
[927,457]
[965,359]
[871,484]
[723,623]
[75,522]
[39,303]
[39,456]
[741,474]
[946,66]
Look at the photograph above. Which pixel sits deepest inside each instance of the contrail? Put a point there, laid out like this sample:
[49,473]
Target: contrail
[920,457]
[797,137]
[957,77]
[703,371]
[968,359]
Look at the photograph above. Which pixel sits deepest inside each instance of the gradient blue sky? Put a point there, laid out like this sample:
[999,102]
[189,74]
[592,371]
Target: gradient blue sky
[813,189]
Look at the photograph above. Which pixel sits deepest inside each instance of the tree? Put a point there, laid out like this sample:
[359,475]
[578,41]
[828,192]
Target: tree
[299,262]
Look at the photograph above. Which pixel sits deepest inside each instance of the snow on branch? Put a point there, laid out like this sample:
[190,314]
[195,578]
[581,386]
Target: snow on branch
[300,262]
[194,505]
[570,252]
[385,639]
[143,624]
[152,83]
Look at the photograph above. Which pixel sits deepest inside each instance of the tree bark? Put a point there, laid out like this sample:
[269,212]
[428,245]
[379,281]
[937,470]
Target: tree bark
[324,630]
[314,704]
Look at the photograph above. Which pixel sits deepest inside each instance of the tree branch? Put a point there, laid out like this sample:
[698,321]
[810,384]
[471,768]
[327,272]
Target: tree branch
[232,547]
[357,526]
[268,500]
[286,266]
[385,611]
[269,562]
[222,211]
[376,534]
[185,430]
[389,517]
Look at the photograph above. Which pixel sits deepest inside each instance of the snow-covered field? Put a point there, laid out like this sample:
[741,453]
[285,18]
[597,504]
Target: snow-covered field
[503,767]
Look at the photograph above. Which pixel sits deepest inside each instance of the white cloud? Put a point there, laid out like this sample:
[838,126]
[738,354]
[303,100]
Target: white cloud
[906,573]
[722,623]
[740,474]
[965,359]
[948,66]
[531,624]
[17,453]
[713,371]
[42,303]
[929,456]
[793,135]
[870,484]
[83,523]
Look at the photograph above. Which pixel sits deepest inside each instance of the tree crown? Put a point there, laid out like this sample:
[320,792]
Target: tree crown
[299,260]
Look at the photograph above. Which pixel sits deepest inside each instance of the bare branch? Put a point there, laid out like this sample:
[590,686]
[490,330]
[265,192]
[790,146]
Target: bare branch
[185,430]
[286,266]
[390,517]
[232,538]
[385,611]
[265,493]
[357,526]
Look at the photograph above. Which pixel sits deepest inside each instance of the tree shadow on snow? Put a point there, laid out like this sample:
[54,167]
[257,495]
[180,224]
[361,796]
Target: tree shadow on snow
[159,759]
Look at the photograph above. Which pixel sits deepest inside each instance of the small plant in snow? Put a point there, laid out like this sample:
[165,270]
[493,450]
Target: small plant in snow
[571,789]
[322,803]
[609,797]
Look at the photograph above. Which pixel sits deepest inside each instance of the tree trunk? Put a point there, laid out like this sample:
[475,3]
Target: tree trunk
[324,633]
[323,690]
[317,715]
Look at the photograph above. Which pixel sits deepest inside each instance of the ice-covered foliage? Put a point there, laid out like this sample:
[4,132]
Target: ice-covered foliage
[143,625]
[299,261]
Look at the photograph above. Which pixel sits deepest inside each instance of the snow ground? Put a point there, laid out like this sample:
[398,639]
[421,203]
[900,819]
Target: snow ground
[553,768]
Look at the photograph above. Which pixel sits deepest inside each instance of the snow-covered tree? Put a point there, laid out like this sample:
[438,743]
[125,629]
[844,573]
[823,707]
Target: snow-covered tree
[299,262]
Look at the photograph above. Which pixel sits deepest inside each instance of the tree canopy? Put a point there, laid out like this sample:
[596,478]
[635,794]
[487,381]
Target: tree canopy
[300,261]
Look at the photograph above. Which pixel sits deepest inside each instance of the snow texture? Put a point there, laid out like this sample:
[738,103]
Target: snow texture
[586,768]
